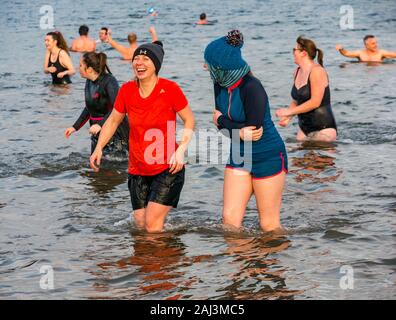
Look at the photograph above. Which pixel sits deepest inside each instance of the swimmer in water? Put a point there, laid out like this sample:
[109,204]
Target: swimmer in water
[84,43]
[242,110]
[57,60]
[156,161]
[127,52]
[101,90]
[152,12]
[202,19]
[370,54]
[311,96]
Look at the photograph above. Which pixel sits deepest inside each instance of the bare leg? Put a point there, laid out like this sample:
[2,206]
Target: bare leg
[237,192]
[326,135]
[268,194]
[155,216]
[301,135]
[139,216]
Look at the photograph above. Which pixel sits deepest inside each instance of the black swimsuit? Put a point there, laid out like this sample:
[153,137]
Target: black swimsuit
[59,68]
[317,119]
[99,100]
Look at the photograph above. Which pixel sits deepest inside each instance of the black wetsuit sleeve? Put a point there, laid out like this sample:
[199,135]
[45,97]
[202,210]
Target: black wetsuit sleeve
[82,119]
[111,89]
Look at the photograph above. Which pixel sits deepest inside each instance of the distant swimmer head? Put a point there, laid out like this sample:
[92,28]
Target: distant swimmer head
[83,30]
[151,11]
[93,64]
[103,33]
[370,42]
[202,16]
[132,38]
[153,51]
[55,39]
[224,60]
[306,49]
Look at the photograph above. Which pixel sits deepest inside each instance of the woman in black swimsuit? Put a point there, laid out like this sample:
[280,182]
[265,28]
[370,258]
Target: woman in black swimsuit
[311,96]
[57,60]
[101,89]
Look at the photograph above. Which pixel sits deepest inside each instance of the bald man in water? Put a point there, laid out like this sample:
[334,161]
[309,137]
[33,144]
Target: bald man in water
[370,54]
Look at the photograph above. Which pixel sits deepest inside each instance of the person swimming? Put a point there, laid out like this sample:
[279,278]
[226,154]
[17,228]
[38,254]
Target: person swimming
[311,96]
[101,89]
[84,43]
[57,60]
[127,52]
[202,19]
[370,54]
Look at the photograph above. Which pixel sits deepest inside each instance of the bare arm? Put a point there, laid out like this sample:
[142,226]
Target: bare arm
[66,61]
[46,59]
[154,36]
[388,54]
[121,49]
[188,119]
[177,160]
[346,53]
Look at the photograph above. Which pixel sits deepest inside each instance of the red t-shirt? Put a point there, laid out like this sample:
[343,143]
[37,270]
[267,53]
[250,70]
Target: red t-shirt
[152,123]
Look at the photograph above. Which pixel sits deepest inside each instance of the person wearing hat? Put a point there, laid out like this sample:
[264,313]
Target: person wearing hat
[258,159]
[156,161]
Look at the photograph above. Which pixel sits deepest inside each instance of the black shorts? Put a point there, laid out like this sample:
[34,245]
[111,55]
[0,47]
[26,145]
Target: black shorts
[163,188]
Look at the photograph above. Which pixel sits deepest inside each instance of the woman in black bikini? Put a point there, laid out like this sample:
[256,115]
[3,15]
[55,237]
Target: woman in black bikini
[57,60]
[311,96]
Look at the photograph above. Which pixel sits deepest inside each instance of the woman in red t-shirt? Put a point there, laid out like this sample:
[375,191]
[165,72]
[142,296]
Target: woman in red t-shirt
[156,161]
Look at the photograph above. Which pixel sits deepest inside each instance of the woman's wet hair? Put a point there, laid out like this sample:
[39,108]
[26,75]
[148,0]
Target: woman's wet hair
[202,16]
[97,61]
[60,40]
[310,47]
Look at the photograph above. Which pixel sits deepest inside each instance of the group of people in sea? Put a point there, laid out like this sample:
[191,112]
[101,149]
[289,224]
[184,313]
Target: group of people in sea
[141,117]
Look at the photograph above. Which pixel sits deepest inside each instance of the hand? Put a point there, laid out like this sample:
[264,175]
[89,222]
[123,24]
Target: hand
[94,160]
[216,115]
[61,74]
[152,30]
[284,121]
[339,47]
[51,69]
[109,36]
[251,133]
[283,112]
[176,162]
[69,131]
[95,129]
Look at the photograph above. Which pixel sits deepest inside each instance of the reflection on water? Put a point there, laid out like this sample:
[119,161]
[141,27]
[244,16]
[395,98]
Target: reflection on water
[260,274]
[315,162]
[105,180]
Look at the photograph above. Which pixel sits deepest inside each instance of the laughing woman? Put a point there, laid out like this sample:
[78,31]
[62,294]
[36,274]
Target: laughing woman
[156,162]
[57,60]
[242,108]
